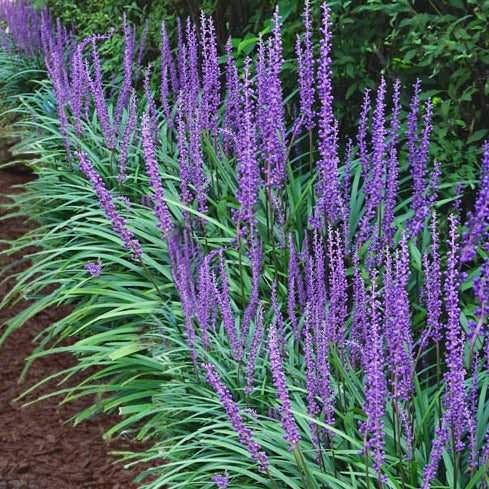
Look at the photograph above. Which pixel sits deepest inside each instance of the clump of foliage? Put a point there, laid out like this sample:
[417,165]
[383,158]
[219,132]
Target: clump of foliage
[273,307]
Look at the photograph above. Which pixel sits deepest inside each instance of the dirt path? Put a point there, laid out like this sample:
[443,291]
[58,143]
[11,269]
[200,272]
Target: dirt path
[38,451]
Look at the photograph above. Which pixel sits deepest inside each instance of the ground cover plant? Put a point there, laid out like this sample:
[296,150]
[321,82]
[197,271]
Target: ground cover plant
[271,307]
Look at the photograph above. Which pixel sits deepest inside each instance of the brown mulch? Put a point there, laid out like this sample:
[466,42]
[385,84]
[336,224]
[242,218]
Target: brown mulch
[38,450]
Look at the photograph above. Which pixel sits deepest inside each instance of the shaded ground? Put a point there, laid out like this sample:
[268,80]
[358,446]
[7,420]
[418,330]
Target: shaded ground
[38,451]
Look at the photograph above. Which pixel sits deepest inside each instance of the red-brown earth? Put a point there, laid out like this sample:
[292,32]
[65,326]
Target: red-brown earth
[38,450]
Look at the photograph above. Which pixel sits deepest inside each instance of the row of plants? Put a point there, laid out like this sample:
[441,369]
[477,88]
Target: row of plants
[270,303]
[442,42]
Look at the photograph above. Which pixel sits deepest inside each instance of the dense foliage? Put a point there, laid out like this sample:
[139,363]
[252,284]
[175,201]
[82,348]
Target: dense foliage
[444,43]
[275,302]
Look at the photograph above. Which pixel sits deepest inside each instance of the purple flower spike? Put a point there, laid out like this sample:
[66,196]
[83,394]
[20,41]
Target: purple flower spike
[305,58]
[95,269]
[210,73]
[255,257]
[432,272]
[160,207]
[232,410]
[129,40]
[327,187]
[456,399]
[313,409]
[253,352]
[392,168]
[270,114]
[142,43]
[224,301]
[248,171]
[232,109]
[221,481]
[398,324]
[129,130]
[418,157]
[153,111]
[105,198]
[478,220]
[97,90]
[375,172]
[456,409]
[167,61]
[375,384]
[288,423]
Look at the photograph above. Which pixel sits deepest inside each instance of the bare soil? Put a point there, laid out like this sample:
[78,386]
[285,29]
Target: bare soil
[38,450]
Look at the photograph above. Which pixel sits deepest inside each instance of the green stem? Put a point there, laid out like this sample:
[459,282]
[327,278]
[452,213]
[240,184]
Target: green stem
[273,481]
[151,279]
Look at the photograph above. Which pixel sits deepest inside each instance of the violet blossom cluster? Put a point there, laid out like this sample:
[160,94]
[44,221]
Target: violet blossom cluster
[105,198]
[305,70]
[95,269]
[160,208]
[232,410]
[289,425]
[221,481]
[375,385]
[24,26]
[327,187]
[478,221]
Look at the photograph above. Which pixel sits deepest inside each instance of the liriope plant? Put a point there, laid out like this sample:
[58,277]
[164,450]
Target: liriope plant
[274,306]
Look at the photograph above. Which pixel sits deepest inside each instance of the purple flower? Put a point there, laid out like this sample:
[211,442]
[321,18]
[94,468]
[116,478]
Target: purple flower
[454,419]
[224,301]
[248,171]
[205,299]
[398,333]
[221,481]
[232,410]
[129,130]
[442,435]
[305,70]
[105,199]
[362,134]
[478,220]
[288,423]
[167,67]
[392,168]
[142,43]
[338,289]
[255,257]
[358,334]
[375,384]
[313,409]
[192,89]
[95,269]
[232,109]
[167,59]
[129,40]
[292,277]
[253,352]
[210,73]
[373,186]
[418,157]
[270,116]
[97,90]
[432,272]
[327,187]
[152,110]
[160,208]
[455,399]
[181,265]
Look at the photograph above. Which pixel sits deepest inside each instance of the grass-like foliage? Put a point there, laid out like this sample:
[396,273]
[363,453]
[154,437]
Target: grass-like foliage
[272,306]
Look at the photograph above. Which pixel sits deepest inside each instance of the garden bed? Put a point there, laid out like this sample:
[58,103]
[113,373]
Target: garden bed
[39,450]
